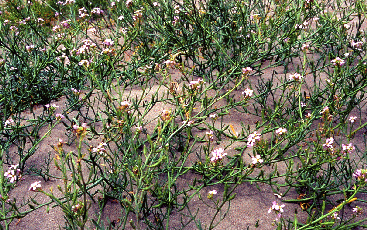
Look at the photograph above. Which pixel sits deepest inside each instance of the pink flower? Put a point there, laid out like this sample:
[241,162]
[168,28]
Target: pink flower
[218,154]
[36,186]
[281,131]
[59,116]
[295,77]
[324,110]
[246,70]
[253,138]
[329,143]
[349,148]
[276,207]
[108,42]
[338,62]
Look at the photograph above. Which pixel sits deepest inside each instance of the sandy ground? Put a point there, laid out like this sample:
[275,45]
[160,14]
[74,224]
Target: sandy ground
[249,207]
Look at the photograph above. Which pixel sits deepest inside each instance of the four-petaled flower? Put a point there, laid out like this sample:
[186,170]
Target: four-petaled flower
[281,131]
[36,186]
[218,154]
[257,159]
[352,119]
[253,138]
[247,93]
[276,207]
[295,77]
[348,148]
[329,143]
[338,62]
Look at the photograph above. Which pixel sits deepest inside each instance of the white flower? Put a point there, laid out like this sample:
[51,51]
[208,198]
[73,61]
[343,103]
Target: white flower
[247,93]
[257,159]
[352,119]
[281,131]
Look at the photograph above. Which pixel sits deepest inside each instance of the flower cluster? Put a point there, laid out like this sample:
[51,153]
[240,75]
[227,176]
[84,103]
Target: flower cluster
[253,138]
[13,173]
[218,154]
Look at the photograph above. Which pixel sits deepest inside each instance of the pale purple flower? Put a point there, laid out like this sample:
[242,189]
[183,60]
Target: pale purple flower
[196,84]
[295,77]
[213,192]
[108,42]
[338,62]
[66,24]
[84,63]
[276,207]
[97,11]
[213,116]
[329,143]
[281,131]
[52,106]
[246,70]
[59,116]
[305,47]
[210,135]
[29,48]
[349,148]
[324,110]
[35,186]
[129,3]
[253,138]
[218,154]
